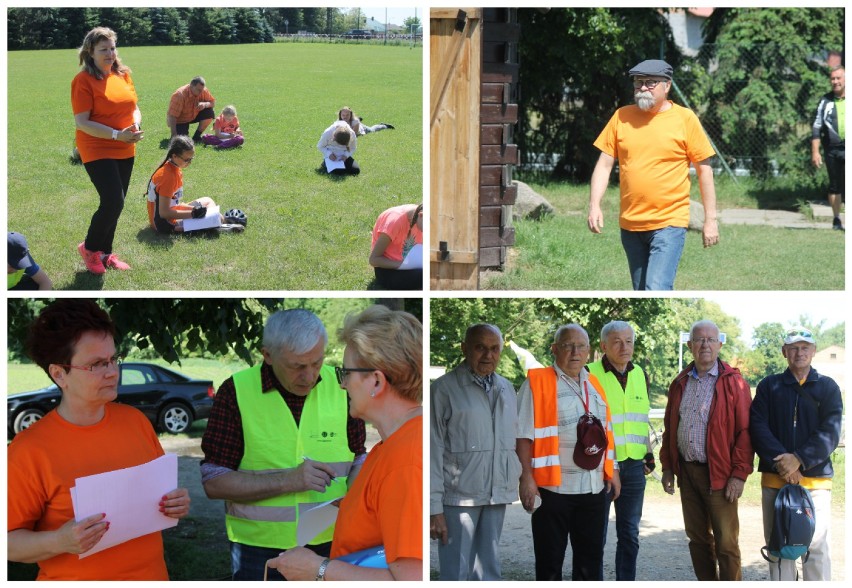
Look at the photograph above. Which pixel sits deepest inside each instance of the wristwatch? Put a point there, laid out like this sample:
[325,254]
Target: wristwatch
[321,570]
[115,134]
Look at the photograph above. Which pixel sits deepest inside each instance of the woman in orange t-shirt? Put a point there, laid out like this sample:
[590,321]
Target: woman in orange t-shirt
[382,373]
[72,340]
[396,231]
[107,118]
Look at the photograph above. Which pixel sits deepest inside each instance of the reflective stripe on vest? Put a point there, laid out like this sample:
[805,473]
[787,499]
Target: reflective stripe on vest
[273,442]
[546,467]
[629,408]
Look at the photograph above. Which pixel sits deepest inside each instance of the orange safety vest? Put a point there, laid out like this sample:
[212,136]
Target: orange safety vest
[545,448]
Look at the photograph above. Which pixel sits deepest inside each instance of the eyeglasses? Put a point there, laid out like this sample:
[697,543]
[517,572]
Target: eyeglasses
[572,347]
[650,84]
[705,340]
[343,372]
[184,159]
[98,367]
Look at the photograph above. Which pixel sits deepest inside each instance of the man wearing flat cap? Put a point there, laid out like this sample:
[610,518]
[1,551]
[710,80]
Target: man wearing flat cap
[567,452]
[795,426]
[654,141]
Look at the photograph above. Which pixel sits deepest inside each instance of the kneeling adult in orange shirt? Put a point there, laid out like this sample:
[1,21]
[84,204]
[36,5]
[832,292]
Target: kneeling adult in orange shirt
[382,373]
[73,341]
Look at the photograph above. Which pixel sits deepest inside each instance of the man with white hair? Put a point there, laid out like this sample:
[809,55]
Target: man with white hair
[654,142]
[626,387]
[706,445]
[474,469]
[795,426]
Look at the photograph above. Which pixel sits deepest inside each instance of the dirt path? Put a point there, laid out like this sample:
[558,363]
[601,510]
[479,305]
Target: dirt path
[663,551]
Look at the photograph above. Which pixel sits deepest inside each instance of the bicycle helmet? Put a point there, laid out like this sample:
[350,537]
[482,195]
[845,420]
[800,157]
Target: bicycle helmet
[235,216]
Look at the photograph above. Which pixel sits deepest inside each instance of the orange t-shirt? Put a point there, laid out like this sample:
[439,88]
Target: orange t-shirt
[167,182]
[654,153]
[385,504]
[110,101]
[183,104]
[395,224]
[44,462]
[223,126]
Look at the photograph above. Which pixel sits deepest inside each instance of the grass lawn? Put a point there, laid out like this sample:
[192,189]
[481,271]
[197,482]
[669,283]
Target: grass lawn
[560,253]
[306,230]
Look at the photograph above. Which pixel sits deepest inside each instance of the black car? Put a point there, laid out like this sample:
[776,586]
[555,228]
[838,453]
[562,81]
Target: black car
[170,400]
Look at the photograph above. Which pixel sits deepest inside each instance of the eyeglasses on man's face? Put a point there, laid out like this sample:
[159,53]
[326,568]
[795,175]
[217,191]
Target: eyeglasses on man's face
[99,367]
[638,83]
[572,347]
[705,341]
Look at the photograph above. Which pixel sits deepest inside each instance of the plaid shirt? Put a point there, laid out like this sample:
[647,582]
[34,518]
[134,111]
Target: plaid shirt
[184,105]
[223,442]
[694,414]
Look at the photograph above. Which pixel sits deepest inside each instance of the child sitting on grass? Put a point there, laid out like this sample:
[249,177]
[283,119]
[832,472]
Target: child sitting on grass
[226,130]
[166,213]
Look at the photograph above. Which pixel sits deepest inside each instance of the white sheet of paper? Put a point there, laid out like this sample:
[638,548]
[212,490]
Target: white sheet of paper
[129,497]
[209,221]
[414,259]
[315,521]
[330,165]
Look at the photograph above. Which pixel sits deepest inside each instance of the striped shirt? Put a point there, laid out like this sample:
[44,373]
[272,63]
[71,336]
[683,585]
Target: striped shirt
[569,407]
[694,414]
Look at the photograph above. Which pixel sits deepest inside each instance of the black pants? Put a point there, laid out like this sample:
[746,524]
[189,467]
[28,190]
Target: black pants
[26,283]
[352,168]
[111,178]
[579,516]
[206,114]
[391,279]
[835,164]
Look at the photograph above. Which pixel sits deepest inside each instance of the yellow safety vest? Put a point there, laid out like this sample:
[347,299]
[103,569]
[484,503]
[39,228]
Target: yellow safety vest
[629,408]
[14,278]
[274,442]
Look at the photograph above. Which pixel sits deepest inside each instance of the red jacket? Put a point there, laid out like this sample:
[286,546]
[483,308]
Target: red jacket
[729,450]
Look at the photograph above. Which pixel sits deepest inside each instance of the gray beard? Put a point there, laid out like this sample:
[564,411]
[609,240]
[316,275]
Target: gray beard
[645,101]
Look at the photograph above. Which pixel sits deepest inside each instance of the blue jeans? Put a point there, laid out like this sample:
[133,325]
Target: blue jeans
[628,513]
[653,256]
[248,561]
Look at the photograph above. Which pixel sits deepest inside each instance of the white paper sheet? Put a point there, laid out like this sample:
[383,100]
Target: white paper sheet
[315,521]
[129,497]
[414,259]
[330,165]
[210,221]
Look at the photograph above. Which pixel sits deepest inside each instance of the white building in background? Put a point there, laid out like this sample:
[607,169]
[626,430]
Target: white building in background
[831,362]
[686,26]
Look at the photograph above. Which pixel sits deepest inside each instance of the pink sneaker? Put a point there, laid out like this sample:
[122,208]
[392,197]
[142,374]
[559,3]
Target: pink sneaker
[112,261]
[92,259]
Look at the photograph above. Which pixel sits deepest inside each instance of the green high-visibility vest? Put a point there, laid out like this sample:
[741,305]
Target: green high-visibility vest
[273,442]
[629,408]
[14,278]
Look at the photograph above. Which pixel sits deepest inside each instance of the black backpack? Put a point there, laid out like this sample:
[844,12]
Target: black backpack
[793,525]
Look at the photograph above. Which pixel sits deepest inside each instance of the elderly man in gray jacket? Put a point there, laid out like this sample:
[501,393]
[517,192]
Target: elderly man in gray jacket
[474,470]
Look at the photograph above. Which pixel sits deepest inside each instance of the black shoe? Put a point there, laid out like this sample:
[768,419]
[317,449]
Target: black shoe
[388,126]
[837,225]
[196,138]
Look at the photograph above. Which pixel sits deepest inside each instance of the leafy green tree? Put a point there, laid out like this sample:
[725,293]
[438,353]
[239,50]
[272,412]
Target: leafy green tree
[574,77]
[768,73]
[765,357]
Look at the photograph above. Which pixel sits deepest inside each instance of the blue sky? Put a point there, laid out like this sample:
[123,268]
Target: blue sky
[395,15]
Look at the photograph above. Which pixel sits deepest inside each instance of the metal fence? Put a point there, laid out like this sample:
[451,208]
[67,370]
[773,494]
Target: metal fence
[756,103]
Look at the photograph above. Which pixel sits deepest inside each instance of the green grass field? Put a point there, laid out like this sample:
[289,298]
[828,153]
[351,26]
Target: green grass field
[560,253]
[306,230]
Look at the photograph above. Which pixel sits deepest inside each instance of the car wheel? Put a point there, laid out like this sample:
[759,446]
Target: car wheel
[175,418]
[27,418]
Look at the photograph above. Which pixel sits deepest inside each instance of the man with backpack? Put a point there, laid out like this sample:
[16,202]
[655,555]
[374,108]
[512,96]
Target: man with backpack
[795,426]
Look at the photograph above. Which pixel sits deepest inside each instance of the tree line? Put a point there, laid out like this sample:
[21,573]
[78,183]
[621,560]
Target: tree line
[531,323]
[64,28]
[179,328]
